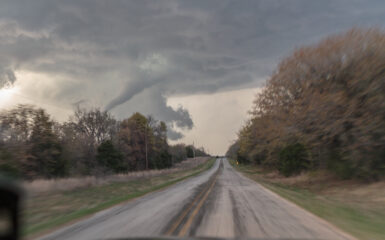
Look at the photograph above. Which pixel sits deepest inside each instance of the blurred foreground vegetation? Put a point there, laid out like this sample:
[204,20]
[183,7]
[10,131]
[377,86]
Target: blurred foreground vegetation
[322,108]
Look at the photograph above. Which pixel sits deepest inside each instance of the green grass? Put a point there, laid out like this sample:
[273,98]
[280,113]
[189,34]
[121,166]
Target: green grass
[361,222]
[48,211]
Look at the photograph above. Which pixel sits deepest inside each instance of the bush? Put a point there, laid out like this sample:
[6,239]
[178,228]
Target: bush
[292,159]
[178,153]
[242,159]
[109,157]
[9,170]
[189,152]
[162,160]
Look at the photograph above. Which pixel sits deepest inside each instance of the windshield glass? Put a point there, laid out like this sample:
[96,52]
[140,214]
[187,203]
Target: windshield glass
[256,119]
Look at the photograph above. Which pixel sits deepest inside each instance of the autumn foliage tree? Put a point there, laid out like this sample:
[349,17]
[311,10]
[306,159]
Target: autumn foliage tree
[91,142]
[160,155]
[178,152]
[330,98]
[29,145]
[133,136]
[45,153]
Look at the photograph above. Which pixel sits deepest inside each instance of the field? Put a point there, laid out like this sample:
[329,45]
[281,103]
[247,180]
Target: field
[353,206]
[47,210]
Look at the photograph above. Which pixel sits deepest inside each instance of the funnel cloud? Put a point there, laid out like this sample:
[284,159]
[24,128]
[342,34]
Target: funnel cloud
[132,56]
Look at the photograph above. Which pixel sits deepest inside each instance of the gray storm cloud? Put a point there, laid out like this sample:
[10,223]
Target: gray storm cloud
[130,56]
[174,135]
[148,72]
[153,102]
[7,78]
[131,89]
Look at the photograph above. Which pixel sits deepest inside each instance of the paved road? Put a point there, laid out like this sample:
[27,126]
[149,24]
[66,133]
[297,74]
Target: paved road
[218,203]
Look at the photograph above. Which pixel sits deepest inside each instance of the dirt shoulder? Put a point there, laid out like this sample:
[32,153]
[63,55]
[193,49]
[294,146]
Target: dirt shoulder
[353,206]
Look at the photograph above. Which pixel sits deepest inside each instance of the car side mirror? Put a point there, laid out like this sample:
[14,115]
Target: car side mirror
[10,195]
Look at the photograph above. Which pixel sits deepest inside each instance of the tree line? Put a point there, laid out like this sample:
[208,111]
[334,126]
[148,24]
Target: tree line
[91,142]
[322,108]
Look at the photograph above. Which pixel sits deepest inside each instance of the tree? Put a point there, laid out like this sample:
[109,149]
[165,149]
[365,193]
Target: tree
[77,149]
[178,152]
[233,150]
[29,145]
[15,131]
[16,124]
[45,153]
[109,157]
[132,139]
[97,125]
[162,158]
[330,98]
[292,159]
[189,151]
[8,165]
[85,131]
[32,145]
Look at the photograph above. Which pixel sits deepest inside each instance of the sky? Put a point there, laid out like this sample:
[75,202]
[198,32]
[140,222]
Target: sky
[196,65]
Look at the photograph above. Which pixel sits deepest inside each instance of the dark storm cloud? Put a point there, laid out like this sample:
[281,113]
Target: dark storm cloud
[125,48]
[153,102]
[7,78]
[174,135]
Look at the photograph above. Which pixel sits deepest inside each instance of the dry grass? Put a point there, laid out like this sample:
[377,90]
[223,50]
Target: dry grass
[354,206]
[51,205]
[65,184]
[327,184]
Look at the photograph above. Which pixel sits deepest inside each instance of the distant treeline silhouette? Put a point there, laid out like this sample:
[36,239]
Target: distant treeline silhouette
[91,142]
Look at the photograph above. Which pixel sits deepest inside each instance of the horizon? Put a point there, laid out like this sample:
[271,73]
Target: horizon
[161,59]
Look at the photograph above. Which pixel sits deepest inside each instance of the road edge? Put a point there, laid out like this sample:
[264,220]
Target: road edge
[323,221]
[105,206]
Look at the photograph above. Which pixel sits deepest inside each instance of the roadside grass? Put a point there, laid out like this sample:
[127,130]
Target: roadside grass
[47,211]
[354,216]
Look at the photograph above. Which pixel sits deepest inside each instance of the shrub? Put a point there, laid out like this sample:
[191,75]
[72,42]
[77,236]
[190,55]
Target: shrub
[9,170]
[292,159]
[109,157]
[189,152]
[162,160]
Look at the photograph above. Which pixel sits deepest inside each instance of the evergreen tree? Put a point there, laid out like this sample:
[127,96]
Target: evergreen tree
[108,156]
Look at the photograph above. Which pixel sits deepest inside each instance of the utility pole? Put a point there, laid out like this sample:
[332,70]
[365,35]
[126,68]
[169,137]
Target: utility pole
[193,148]
[145,140]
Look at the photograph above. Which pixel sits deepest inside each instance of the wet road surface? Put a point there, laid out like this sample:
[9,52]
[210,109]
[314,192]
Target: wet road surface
[218,203]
